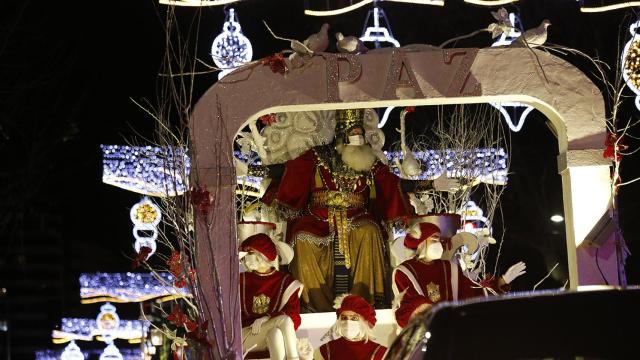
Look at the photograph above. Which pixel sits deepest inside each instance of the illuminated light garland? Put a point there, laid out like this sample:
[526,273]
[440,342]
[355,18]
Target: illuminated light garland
[127,354]
[197,3]
[621,5]
[86,329]
[630,60]
[362,3]
[504,40]
[128,287]
[149,170]
[487,165]
[231,49]
[490,2]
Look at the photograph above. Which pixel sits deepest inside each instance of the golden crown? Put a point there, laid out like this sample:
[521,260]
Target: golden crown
[348,118]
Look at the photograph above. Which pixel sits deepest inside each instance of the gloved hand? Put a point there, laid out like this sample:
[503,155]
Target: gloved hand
[514,271]
[305,349]
[443,183]
[257,324]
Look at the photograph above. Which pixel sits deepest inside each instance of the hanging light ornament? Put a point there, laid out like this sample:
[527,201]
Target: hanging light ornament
[72,352]
[504,40]
[111,352]
[631,62]
[379,34]
[231,49]
[145,216]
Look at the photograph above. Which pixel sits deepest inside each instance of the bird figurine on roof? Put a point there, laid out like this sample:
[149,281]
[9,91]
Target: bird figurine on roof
[533,37]
[317,42]
[350,44]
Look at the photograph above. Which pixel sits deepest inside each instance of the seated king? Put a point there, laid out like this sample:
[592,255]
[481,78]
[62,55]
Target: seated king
[336,198]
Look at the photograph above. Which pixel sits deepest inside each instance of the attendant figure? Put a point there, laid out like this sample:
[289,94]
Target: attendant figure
[270,301]
[354,326]
[426,279]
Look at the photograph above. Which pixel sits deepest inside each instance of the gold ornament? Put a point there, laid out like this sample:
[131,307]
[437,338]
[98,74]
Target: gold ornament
[146,214]
[632,64]
[261,304]
[346,119]
[433,292]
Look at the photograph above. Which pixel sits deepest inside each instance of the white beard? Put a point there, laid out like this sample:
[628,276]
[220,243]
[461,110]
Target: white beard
[359,158]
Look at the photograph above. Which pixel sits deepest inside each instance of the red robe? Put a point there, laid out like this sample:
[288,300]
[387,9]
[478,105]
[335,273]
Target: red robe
[342,348]
[300,181]
[281,290]
[429,283]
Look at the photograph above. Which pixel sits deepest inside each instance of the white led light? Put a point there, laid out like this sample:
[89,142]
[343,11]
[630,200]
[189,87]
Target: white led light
[231,49]
[377,33]
[557,218]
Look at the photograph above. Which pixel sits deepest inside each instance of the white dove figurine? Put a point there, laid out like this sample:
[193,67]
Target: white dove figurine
[533,37]
[350,44]
[317,42]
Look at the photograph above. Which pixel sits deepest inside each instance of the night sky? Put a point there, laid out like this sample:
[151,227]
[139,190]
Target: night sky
[69,71]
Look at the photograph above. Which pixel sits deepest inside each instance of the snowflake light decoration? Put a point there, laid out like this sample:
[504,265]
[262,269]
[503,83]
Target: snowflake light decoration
[231,49]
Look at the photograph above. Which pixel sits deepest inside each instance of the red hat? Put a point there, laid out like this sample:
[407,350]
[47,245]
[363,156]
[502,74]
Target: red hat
[359,306]
[261,243]
[426,230]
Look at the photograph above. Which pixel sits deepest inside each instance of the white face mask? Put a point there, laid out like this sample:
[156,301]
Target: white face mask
[251,262]
[433,252]
[356,140]
[351,329]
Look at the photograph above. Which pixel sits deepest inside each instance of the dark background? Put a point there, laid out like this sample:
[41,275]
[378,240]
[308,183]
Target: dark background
[69,69]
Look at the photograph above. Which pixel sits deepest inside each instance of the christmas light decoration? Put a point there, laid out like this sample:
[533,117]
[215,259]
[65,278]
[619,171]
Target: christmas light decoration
[128,287]
[377,33]
[361,3]
[111,352]
[630,60]
[127,354]
[155,171]
[145,216]
[86,329]
[486,165]
[504,40]
[231,49]
[72,352]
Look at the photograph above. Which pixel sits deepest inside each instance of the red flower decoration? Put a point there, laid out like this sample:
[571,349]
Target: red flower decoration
[175,263]
[180,282]
[487,282]
[142,256]
[177,317]
[200,334]
[268,119]
[276,63]
[201,199]
[614,147]
[410,109]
